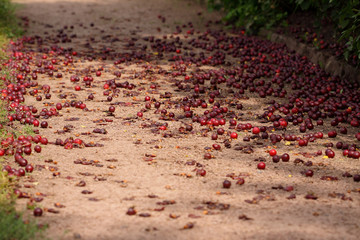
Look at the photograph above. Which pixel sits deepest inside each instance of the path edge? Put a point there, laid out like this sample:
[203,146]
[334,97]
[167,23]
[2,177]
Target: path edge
[326,61]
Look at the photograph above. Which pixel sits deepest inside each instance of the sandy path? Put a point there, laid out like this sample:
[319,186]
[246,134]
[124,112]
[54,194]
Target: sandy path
[123,178]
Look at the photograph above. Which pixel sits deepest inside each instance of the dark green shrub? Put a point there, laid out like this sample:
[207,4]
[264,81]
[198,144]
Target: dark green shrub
[251,14]
[254,14]
[346,17]
[8,21]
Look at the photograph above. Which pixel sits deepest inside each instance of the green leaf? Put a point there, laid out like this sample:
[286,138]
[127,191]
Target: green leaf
[343,23]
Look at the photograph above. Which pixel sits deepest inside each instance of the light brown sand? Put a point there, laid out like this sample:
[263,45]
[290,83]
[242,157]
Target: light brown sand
[126,179]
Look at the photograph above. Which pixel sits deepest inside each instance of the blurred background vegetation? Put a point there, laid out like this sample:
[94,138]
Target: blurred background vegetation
[9,26]
[252,15]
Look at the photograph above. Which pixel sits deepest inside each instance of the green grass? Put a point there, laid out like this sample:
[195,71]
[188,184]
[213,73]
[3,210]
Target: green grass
[3,114]
[27,130]
[6,198]
[8,22]
[12,225]
[3,42]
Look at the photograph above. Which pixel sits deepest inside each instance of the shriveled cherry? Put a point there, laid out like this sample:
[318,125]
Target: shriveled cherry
[216,146]
[131,211]
[201,172]
[240,181]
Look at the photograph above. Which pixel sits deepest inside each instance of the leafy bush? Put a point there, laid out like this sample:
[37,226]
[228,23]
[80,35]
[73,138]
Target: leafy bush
[8,21]
[251,14]
[254,14]
[351,32]
[345,16]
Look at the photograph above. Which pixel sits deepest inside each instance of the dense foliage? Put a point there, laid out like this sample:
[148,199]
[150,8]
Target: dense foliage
[8,21]
[254,14]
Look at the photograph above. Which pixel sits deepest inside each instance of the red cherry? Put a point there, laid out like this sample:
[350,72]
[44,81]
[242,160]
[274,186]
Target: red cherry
[29,168]
[261,165]
[332,134]
[234,135]
[319,135]
[38,212]
[357,136]
[58,106]
[285,157]
[256,130]
[283,123]
[226,184]
[214,136]
[302,142]
[201,172]
[131,211]
[232,122]
[44,141]
[37,148]
[276,159]
[21,172]
[36,123]
[220,131]
[44,124]
[272,152]
[240,181]
[111,109]
[309,173]
[216,146]
[68,145]
[330,153]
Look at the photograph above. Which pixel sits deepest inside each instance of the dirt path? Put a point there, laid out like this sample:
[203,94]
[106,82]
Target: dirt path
[138,166]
